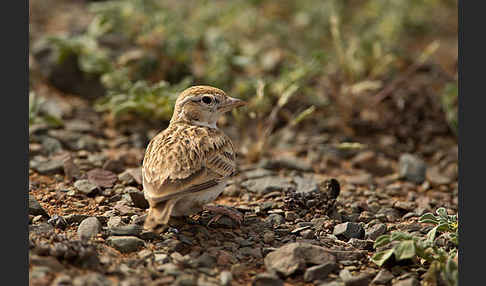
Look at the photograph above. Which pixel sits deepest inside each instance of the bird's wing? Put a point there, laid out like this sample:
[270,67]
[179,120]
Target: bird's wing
[185,159]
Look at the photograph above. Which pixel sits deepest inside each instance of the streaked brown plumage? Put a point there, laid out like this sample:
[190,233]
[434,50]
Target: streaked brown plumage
[186,165]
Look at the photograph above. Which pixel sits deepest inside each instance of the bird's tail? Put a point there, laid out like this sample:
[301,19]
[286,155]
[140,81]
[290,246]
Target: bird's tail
[159,215]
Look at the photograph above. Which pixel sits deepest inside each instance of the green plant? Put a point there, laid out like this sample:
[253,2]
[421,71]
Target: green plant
[37,115]
[150,101]
[449,104]
[290,45]
[440,259]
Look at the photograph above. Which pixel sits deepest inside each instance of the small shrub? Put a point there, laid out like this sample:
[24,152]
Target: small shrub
[440,259]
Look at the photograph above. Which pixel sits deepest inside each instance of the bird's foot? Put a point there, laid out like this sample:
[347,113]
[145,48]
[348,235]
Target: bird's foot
[223,210]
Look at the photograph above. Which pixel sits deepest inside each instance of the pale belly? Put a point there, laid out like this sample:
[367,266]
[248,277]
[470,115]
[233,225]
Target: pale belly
[193,203]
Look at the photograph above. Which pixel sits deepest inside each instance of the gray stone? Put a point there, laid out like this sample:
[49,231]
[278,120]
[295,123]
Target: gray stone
[86,142]
[58,222]
[91,279]
[85,186]
[412,168]
[407,282]
[125,244]
[265,206]
[361,244]
[406,206]
[268,236]
[288,162]
[362,279]
[319,272]
[97,159]
[135,281]
[300,229]
[349,230]
[267,279]
[169,269]
[243,242]
[74,218]
[47,167]
[206,280]
[51,145]
[308,234]
[390,214]
[291,216]
[47,261]
[383,277]
[137,198]
[295,256]
[344,274]
[409,215]
[35,208]
[185,280]
[375,231]
[89,228]
[38,272]
[114,165]
[274,220]
[333,283]
[126,177]
[144,253]
[126,230]
[65,136]
[360,179]
[161,258]
[266,185]
[306,184]
[178,258]
[206,260]
[114,221]
[350,255]
[258,173]
[42,228]
[251,251]
[225,278]
[77,125]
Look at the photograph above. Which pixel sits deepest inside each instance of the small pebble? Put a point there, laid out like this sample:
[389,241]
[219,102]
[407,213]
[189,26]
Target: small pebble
[88,228]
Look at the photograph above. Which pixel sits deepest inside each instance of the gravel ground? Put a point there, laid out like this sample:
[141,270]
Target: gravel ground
[310,218]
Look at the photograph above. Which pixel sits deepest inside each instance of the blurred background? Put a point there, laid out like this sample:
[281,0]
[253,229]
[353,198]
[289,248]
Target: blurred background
[375,72]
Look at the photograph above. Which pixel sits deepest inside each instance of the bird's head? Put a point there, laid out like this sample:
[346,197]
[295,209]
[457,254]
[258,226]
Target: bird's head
[203,105]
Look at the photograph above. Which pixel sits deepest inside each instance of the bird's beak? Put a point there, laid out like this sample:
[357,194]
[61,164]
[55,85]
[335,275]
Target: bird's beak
[231,103]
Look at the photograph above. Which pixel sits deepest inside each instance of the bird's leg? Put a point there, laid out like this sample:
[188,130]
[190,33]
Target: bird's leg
[223,210]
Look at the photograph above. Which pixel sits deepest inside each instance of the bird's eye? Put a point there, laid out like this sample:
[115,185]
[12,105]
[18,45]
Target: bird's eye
[207,99]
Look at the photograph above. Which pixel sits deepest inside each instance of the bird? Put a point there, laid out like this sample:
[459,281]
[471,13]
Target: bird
[188,164]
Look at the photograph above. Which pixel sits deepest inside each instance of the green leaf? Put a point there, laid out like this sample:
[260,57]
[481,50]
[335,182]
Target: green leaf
[430,277]
[303,115]
[397,235]
[429,221]
[428,217]
[53,121]
[442,212]
[405,250]
[443,226]
[451,272]
[382,240]
[381,257]
[431,234]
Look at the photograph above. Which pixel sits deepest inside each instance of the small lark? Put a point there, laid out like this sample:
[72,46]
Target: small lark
[187,164]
